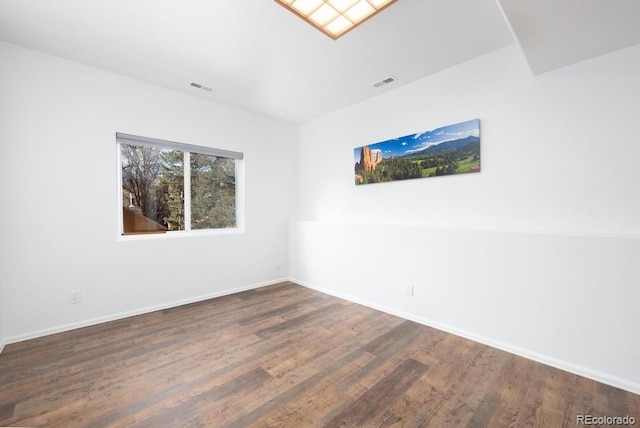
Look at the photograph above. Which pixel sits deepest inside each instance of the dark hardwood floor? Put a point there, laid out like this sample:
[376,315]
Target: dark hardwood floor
[285,356]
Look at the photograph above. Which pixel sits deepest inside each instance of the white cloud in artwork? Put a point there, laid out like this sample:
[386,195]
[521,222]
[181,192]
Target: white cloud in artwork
[421,147]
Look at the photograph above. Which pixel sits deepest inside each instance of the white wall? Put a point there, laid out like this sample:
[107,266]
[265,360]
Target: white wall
[2,341]
[58,223]
[536,254]
[558,150]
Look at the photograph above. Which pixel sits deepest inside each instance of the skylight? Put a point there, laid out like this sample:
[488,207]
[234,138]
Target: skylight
[335,17]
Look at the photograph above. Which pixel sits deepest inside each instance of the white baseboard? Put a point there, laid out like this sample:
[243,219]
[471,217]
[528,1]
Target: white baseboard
[126,314]
[522,352]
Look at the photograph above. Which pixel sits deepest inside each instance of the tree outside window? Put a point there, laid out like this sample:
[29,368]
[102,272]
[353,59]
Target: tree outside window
[165,189]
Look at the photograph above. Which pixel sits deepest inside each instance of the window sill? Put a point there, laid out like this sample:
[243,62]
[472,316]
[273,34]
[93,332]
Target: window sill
[178,234]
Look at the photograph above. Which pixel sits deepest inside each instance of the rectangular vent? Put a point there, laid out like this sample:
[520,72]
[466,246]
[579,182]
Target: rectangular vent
[199,86]
[384,82]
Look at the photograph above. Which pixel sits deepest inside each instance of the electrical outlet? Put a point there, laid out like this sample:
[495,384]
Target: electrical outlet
[74,297]
[409,291]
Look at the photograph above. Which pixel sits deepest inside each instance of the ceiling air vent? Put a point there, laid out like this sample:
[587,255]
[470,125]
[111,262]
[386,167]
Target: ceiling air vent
[384,82]
[199,86]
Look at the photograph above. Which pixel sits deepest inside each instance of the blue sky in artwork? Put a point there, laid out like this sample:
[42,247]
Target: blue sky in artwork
[409,144]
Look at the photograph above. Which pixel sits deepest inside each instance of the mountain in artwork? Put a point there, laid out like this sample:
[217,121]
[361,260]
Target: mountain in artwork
[369,159]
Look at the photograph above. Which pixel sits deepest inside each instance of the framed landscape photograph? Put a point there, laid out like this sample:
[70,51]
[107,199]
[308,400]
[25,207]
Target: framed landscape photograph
[453,149]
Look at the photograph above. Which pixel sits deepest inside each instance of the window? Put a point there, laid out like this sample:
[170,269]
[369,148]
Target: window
[169,187]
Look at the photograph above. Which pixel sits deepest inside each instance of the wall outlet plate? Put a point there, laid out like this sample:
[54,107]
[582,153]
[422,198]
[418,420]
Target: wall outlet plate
[74,297]
[409,291]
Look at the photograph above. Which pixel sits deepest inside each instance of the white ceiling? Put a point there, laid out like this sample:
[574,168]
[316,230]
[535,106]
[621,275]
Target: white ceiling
[556,33]
[258,56]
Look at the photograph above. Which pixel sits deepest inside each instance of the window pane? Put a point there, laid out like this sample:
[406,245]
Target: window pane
[152,189]
[213,192]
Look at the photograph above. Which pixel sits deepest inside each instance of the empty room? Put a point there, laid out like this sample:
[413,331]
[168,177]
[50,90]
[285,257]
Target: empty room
[306,213]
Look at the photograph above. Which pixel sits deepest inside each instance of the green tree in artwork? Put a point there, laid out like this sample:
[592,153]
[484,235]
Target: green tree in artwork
[451,160]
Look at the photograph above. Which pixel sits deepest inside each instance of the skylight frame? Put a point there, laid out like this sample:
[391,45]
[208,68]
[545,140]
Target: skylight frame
[343,20]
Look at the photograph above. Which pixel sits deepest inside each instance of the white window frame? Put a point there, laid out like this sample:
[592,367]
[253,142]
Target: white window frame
[187,149]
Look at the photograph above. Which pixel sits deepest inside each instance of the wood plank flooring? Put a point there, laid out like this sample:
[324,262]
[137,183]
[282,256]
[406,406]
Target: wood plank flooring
[285,356]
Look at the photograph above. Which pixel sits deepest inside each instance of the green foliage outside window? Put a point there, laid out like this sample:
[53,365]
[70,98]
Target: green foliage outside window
[153,184]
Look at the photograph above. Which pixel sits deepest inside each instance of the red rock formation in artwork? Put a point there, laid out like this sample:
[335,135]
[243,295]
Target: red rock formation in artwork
[369,159]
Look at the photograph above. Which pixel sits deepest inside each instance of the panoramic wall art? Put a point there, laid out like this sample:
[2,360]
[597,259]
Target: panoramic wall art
[453,149]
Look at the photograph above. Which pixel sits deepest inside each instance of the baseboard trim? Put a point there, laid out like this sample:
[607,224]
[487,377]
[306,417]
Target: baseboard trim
[126,314]
[522,352]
